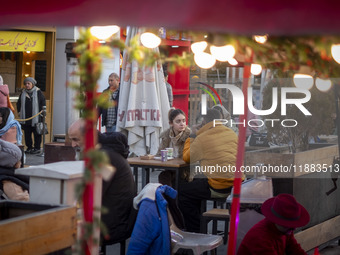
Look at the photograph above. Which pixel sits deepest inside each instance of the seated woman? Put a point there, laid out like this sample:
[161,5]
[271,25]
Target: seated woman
[10,129]
[174,137]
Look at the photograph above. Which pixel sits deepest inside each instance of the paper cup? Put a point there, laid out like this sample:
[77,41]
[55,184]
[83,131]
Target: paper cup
[164,155]
[170,152]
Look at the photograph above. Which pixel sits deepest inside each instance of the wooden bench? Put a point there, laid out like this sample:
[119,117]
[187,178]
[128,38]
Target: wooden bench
[28,228]
[319,234]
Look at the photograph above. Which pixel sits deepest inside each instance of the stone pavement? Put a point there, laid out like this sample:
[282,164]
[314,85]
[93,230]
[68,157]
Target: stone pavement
[33,160]
[329,249]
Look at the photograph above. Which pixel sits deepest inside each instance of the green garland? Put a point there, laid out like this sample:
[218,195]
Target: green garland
[283,53]
[148,57]
[90,53]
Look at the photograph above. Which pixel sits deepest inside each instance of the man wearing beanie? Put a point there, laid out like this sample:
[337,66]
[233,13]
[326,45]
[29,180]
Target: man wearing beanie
[30,103]
[274,234]
[10,154]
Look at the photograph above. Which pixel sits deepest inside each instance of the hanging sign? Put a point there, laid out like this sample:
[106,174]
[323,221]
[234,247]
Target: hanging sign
[22,41]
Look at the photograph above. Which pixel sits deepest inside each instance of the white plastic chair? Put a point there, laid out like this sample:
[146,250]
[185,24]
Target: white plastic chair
[196,242]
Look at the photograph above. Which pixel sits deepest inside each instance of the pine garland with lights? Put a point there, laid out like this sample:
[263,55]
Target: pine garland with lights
[282,53]
[148,57]
[90,54]
[290,53]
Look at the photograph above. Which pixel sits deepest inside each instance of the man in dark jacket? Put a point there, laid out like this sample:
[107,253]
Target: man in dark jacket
[109,116]
[119,191]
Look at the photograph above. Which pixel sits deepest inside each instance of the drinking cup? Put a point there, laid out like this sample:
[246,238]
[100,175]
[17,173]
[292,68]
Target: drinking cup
[164,155]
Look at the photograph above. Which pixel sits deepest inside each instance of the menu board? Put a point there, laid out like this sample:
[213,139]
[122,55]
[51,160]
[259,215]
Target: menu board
[40,74]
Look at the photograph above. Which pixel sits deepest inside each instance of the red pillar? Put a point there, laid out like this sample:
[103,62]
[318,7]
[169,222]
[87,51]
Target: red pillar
[235,206]
[180,79]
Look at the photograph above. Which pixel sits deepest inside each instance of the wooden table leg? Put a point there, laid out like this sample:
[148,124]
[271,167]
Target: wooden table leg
[135,173]
[177,179]
[147,179]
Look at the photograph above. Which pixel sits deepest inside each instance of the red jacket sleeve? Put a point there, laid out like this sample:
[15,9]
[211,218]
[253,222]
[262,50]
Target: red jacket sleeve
[292,246]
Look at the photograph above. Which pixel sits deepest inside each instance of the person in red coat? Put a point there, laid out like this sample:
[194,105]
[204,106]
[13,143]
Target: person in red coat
[274,234]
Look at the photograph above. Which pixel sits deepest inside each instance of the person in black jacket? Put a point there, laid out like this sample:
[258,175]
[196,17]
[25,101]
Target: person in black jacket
[119,191]
[30,102]
[109,116]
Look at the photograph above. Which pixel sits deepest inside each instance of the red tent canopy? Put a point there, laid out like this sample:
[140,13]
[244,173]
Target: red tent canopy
[290,17]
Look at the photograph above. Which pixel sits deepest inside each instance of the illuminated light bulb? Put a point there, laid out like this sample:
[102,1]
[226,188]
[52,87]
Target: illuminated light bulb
[255,69]
[303,81]
[150,40]
[198,47]
[28,52]
[336,52]
[233,62]
[103,32]
[205,36]
[204,60]
[223,53]
[27,63]
[323,85]
[26,75]
[260,38]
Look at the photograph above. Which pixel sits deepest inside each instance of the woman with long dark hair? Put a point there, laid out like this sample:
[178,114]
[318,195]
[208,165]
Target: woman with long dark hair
[174,137]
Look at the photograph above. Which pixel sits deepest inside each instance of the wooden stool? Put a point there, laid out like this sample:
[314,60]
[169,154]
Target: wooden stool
[218,202]
[215,215]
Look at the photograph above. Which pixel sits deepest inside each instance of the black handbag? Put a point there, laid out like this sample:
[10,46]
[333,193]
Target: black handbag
[258,139]
[40,128]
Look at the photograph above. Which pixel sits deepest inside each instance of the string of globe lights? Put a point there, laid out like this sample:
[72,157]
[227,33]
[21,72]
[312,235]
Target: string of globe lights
[206,55]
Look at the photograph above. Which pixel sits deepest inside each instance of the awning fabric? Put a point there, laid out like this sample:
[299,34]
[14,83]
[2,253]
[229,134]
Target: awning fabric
[291,17]
[143,104]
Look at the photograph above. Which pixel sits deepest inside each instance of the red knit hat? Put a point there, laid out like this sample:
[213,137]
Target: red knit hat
[285,211]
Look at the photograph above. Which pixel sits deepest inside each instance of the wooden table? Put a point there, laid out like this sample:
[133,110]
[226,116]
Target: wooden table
[146,164]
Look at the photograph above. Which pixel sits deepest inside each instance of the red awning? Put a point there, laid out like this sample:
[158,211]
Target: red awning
[288,17]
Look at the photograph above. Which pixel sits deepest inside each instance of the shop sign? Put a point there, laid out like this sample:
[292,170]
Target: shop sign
[22,41]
